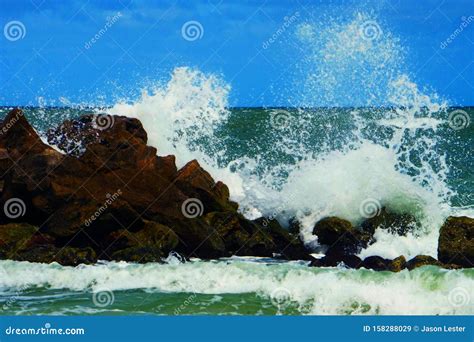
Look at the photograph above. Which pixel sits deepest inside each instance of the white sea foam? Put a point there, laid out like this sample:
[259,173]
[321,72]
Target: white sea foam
[314,290]
[401,169]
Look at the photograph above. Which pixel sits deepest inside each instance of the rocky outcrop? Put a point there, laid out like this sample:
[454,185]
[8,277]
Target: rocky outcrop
[110,197]
[343,242]
[456,241]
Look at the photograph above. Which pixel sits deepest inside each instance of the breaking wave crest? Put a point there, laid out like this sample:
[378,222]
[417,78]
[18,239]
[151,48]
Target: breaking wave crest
[315,162]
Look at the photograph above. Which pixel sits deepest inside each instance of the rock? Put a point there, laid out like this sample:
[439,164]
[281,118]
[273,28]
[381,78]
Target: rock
[376,263]
[422,260]
[287,245]
[16,237]
[456,242]
[110,197]
[294,226]
[21,241]
[193,180]
[397,264]
[340,236]
[66,256]
[336,259]
[150,244]
[399,224]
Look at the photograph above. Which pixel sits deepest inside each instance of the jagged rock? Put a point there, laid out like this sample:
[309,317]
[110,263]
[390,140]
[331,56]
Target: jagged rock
[456,241]
[198,183]
[287,245]
[257,238]
[150,244]
[399,224]
[109,196]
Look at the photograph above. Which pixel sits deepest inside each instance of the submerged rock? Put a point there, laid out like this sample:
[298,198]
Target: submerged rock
[456,241]
[399,224]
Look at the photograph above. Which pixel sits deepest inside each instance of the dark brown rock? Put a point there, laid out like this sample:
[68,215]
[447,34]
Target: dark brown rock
[340,236]
[150,244]
[194,181]
[66,256]
[287,246]
[336,259]
[376,263]
[422,260]
[456,242]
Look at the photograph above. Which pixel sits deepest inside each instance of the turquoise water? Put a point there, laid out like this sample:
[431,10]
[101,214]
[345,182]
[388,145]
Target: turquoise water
[266,287]
[229,287]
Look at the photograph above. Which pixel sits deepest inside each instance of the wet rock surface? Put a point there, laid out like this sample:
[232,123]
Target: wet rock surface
[108,196]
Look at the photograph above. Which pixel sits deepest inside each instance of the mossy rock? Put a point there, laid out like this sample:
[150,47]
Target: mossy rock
[15,237]
[66,256]
[396,223]
[153,242]
[456,241]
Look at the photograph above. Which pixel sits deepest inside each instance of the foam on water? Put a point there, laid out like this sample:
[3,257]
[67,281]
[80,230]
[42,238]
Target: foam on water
[391,158]
[312,290]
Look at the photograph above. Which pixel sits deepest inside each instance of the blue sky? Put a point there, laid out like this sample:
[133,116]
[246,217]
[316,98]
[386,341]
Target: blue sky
[54,57]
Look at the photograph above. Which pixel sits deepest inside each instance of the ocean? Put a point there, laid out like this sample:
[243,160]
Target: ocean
[404,147]
[283,163]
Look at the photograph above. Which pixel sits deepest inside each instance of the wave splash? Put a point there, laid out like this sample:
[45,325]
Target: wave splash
[328,162]
[315,291]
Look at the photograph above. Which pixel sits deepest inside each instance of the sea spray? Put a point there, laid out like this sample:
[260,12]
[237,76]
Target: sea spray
[328,161]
